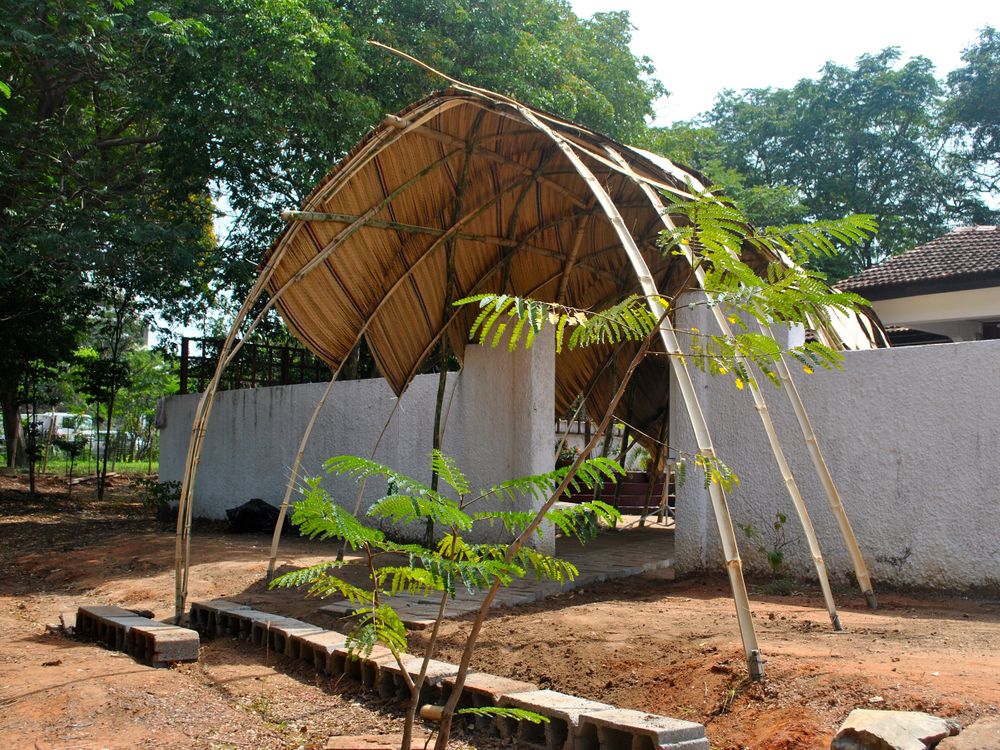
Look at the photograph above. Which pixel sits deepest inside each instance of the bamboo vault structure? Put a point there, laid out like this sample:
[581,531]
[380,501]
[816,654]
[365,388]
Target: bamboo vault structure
[467,192]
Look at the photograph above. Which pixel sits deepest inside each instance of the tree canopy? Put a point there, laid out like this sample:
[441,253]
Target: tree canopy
[123,120]
[973,107]
[870,139]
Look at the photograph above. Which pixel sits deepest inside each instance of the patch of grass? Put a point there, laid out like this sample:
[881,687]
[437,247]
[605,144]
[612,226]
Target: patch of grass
[60,466]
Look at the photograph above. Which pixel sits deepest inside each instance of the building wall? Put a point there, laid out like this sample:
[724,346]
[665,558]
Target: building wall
[499,413]
[957,315]
[912,438]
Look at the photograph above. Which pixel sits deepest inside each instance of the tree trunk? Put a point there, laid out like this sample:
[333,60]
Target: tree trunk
[16,455]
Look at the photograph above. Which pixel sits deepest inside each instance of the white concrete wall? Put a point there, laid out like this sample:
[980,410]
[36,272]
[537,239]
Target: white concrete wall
[912,437]
[499,412]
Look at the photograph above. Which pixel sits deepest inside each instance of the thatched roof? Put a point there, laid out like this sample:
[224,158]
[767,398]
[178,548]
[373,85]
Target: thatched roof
[466,175]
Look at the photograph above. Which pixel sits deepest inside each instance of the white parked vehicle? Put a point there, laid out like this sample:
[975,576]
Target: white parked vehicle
[64,426]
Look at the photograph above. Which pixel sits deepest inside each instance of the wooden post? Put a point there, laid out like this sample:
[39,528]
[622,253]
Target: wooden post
[185,342]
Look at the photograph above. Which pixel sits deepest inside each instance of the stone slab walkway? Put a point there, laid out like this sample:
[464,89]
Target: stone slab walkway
[629,551]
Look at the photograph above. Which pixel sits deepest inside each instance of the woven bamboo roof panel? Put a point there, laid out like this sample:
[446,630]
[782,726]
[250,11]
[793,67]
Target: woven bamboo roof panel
[461,194]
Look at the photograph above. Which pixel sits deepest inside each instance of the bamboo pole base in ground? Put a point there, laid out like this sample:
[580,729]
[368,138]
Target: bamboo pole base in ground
[819,462]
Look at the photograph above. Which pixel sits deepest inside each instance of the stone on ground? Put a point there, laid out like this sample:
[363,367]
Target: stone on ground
[374,742]
[980,735]
[865,729]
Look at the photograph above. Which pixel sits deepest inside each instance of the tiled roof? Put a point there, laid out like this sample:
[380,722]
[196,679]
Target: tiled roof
[966,258]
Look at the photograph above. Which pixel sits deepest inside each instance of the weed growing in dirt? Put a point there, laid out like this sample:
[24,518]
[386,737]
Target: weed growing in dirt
[770,542]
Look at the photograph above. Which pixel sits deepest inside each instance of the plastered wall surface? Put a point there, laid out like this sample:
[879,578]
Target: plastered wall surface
[499,413]
[912,438]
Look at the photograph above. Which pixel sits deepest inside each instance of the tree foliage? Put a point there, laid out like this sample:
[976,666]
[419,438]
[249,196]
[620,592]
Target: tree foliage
[869,139]
[973,108]
[433,569]
[123,120]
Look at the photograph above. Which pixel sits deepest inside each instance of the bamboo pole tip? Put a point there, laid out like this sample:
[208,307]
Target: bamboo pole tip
[872,601]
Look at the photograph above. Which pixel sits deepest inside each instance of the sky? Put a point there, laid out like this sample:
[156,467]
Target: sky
[700,48]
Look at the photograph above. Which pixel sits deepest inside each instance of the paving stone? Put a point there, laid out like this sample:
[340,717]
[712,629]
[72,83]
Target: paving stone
[562,710]
[159,643]
[319,648]
[483,690]
[263,630]
[283,635]
[209,616]
[374,742]
[390,678]
[140,637]
[983,734]
[864,729]
[624,729]
[343,661]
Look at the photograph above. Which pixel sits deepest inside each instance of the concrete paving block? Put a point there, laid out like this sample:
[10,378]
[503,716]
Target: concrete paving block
[353,665]
[114,632]
[338,608]
[89,619]
[624,729]
[282,636]
[483,690]
[370,666]
[159,643]
[391,681]
[142,638]
[210,616]
[264,629]
[562,710]
[240,622]
[318,648]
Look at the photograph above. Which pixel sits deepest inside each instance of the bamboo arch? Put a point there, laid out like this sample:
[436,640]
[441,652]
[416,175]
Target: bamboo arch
[473,189]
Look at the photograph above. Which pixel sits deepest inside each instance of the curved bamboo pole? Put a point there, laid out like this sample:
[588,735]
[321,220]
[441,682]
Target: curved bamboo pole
[819,462]
[182,551]
[759,404]
[296,464]
[734,566]
[833,496]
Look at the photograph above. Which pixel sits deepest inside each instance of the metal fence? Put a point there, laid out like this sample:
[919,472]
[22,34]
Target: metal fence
[256,365]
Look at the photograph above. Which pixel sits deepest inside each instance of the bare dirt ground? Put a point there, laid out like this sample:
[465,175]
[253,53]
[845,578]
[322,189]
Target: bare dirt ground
[669,647]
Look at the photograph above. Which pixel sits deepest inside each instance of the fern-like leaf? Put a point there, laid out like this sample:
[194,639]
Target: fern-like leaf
[406,508]
[446,468]
[359,468]
[318,517]
[520,714]
[375,625]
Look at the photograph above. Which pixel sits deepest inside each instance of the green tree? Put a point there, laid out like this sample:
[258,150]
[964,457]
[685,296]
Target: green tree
[973,107]
[866,139]
[150,378]
[701,147]
[438,569]
[86,197]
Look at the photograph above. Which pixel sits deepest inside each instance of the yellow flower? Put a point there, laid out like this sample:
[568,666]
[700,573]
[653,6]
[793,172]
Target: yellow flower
[807,369]
[722,370]
[733,319]
[739,383]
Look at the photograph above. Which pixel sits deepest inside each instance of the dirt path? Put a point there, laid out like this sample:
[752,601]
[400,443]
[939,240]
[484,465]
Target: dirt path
[667,647]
